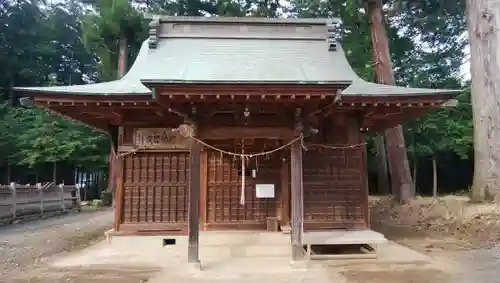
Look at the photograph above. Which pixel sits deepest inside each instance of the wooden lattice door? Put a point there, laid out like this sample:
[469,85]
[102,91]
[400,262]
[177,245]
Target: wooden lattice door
[155,190]
[334,188]
[224,210]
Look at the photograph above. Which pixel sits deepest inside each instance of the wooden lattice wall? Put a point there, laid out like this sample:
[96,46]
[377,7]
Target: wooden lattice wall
[334,195]
[224,210]
[155,190]
[335,183]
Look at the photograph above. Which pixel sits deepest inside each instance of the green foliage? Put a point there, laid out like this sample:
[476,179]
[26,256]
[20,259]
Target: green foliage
[101,31]
[79,43]
[36,41]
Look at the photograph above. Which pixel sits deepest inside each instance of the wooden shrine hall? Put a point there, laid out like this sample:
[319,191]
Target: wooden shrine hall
[239,124]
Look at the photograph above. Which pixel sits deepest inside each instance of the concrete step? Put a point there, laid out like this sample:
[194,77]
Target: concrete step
[248,251]
[238,238]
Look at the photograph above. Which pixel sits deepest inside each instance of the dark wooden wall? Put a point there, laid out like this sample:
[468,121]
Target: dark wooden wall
[336,180]
[334,195]
[224,210]
[155,187]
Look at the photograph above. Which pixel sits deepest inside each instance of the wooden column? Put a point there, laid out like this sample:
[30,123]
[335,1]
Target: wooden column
[203,188]
[194,203]
[297,201]
[285,195]
[118,183]
[111,167]
[118,192]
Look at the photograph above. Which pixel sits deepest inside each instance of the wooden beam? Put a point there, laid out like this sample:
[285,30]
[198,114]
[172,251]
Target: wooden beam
[297,201]
[246,133]
[390,121]
[194,203]
[100,125]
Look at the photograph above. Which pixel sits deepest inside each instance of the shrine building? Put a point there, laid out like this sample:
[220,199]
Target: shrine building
[240,124]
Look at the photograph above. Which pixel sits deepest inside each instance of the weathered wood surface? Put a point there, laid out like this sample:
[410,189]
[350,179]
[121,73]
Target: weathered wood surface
[20,202]
[194,202]
[155,191]
[224,210]
[297,196]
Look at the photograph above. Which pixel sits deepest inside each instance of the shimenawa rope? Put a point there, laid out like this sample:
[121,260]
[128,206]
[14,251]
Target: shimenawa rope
[244,156]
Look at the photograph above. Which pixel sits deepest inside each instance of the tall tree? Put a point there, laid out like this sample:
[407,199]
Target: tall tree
[484,38]
[401,182]
[114,24]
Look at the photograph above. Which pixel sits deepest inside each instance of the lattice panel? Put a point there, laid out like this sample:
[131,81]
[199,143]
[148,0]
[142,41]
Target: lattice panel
[224,187]
[156,187]
[334,190]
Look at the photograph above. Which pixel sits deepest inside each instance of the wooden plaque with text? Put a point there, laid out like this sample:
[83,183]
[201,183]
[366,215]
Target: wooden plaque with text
[159,138]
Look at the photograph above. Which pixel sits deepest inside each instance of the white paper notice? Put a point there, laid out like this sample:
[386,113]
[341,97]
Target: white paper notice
[264,190]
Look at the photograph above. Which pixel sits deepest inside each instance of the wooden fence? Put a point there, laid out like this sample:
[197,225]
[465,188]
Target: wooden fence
[24,201]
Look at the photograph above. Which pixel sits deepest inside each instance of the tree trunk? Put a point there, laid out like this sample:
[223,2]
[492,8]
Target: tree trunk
[399,168]
[9,173]
[54,172]
[434,177]
[122,56]
[122,69]
[382,173]
[484,39]
[415,169]
[415,159]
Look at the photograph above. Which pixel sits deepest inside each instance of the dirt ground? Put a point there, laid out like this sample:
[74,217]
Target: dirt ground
[26,247]
[450,223]
[460,237]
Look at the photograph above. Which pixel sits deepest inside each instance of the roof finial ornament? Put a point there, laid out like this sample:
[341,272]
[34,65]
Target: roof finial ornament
[332,28]
[154,28]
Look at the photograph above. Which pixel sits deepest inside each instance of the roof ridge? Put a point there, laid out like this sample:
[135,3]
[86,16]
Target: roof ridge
[244,20]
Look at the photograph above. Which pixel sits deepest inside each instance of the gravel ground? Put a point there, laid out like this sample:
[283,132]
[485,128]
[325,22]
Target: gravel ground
[482,265]
[28,245]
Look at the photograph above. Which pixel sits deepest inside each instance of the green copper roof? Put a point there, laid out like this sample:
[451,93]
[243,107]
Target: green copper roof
[359,87]
[209,60]
[229,50]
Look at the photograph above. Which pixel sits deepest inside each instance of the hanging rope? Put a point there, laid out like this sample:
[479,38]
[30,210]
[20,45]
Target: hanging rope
[248,155]
[132,151]
[333,146]
[188,132]
[242,155]
[243,173]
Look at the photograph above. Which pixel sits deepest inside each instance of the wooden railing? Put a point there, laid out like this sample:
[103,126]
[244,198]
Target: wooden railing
[24,201]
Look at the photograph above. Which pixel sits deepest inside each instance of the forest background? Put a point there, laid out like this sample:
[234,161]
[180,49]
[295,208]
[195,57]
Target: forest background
[76,42]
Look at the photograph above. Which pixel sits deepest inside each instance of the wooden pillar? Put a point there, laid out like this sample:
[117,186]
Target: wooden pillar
[297,201]
[203,188]
[118,193]
[117,172]
[194,203]
[285,195]
[111,167]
